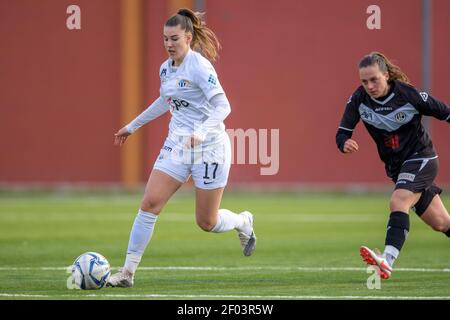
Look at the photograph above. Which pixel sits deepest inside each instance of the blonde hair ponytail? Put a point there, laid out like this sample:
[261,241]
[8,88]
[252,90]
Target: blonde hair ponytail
[204,40]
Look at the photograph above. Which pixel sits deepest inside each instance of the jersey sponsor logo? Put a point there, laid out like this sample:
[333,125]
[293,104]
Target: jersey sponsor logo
[406,176]
[164,153]
[177,104]
[184,83]
[212,79]
[400,116]
[424,96]
[383,109]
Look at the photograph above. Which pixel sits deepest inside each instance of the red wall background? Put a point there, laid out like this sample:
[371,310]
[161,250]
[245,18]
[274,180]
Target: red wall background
[59,92]
[440,83]
[287,65]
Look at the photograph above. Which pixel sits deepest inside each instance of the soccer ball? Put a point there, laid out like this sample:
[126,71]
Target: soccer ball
[90,271]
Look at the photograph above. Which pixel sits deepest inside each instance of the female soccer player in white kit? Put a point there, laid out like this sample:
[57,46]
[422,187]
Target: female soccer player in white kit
[197,143]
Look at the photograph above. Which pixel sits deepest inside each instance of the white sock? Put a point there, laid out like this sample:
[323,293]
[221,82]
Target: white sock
[391,253]
[140,236]
[228,220]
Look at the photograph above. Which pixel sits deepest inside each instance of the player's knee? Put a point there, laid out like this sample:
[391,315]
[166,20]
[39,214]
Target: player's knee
[397,204]
[400,202]
[440,228]
[151,205]
[440,225]
[205,224]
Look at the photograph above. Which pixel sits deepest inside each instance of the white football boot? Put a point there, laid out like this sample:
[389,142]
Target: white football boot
[248,240]
[376,259]
[122,279]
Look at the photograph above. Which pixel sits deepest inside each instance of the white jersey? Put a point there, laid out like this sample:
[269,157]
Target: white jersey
[187,90]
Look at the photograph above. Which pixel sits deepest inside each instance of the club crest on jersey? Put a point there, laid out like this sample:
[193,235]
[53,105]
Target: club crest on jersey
[400,116]
[184,83]
[424,96]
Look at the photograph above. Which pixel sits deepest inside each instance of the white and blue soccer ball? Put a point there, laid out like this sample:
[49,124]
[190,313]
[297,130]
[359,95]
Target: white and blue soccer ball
[90,271]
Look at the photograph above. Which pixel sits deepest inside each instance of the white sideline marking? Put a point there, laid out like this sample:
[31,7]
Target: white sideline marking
[211,268]
[24,295]
[222,296]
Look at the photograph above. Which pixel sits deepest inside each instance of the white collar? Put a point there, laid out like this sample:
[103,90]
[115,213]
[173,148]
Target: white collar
[173,68]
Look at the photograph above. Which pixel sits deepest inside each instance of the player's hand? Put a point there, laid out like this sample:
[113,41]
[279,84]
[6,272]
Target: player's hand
[193,141]
[350,146]
[121,136]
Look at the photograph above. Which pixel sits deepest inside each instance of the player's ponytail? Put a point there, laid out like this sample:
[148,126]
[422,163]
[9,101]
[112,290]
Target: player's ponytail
[395,73]
[203,39]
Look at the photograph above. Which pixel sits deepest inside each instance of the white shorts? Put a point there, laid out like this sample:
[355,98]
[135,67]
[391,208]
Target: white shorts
[209,166]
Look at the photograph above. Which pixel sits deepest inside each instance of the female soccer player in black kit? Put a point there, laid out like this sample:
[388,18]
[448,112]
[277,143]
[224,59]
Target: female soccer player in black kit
[391,110]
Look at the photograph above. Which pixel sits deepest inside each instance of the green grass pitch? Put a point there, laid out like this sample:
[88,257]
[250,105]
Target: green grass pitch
[307,248]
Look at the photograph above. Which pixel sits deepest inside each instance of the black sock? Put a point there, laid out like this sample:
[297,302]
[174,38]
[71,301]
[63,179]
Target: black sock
[397,229]
[447,233]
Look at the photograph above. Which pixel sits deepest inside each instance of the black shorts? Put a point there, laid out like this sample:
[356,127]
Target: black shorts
[417,175]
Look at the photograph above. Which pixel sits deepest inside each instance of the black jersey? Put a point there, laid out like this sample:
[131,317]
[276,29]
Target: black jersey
[394,123]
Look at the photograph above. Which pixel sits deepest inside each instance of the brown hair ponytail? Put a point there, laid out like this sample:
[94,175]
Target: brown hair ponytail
[204,40]
[395,73]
